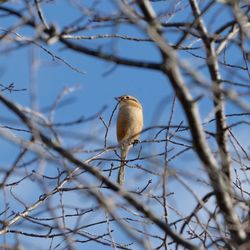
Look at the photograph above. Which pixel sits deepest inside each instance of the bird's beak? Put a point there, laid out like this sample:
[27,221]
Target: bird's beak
[118,98]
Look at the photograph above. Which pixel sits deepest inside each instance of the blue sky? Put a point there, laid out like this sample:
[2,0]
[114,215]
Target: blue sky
[98,89]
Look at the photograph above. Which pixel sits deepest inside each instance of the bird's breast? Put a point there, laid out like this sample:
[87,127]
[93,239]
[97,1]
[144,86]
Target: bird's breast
[129,123]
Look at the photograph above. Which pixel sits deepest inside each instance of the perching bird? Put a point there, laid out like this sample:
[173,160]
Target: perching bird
[128,127]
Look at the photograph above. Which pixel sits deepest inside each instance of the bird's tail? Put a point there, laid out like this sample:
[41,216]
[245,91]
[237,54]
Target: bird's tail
[121,174]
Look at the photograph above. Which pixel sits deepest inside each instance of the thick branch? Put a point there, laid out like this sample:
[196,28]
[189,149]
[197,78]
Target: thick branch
[213,67]
[109,57]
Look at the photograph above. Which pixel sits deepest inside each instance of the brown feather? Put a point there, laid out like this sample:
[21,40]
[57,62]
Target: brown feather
[128,128]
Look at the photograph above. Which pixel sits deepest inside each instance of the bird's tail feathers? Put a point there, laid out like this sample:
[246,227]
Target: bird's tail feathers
[121,174]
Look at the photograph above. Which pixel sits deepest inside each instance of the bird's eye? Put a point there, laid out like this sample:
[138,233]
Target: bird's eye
[126,97]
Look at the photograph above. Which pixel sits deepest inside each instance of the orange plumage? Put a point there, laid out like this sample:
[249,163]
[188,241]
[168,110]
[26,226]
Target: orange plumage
[128,127]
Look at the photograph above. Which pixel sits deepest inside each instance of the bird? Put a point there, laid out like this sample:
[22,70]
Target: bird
[128,128]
